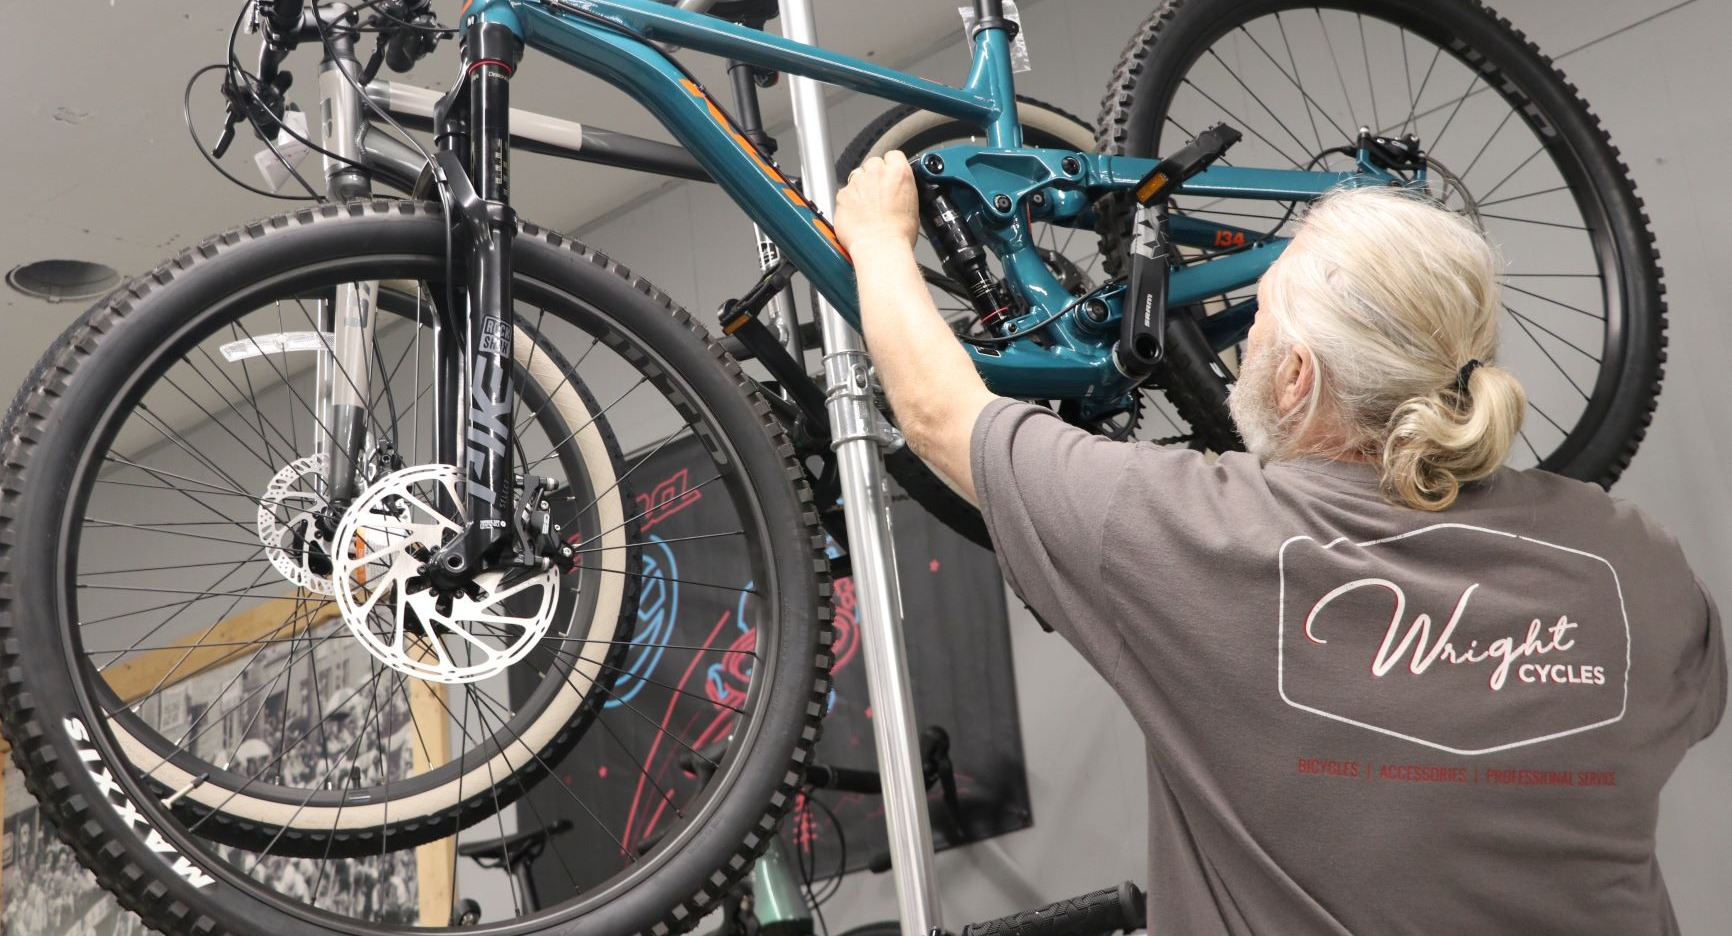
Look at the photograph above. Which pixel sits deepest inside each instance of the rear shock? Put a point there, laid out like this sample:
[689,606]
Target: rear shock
[962,255]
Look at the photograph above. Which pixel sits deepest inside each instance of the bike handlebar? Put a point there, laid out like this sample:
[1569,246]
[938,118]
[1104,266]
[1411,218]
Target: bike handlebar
[1104,911]
[407,33]
[845,779]
[283,16]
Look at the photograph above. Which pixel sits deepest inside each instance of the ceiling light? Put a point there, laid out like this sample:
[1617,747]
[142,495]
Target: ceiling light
[56,280]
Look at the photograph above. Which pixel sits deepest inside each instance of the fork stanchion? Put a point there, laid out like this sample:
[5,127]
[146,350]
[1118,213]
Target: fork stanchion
[878,611]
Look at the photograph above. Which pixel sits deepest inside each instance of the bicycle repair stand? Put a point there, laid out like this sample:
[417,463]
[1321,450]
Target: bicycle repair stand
[856,436]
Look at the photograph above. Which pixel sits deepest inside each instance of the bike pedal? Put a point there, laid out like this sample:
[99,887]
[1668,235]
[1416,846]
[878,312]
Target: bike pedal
[1192,158]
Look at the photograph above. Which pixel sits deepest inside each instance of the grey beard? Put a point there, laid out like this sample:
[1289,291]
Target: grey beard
[1251,402]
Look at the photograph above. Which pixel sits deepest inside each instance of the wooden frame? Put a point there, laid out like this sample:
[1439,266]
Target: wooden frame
[282,618]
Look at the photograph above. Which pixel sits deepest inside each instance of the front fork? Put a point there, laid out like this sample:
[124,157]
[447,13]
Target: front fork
[346,321]
[476,390]
[472,334]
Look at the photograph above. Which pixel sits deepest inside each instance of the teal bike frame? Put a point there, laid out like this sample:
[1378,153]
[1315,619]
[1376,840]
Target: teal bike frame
[1001,186]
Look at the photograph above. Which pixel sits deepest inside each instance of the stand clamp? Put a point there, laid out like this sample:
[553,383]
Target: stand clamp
[854,403]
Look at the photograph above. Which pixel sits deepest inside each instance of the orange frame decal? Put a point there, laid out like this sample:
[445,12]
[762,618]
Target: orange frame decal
[792,194]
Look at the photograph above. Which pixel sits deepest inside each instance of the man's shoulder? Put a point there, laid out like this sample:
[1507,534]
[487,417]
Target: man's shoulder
[1547,488]
[1580,505]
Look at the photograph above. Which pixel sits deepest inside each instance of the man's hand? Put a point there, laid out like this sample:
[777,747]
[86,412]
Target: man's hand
[933,387]
[878,203]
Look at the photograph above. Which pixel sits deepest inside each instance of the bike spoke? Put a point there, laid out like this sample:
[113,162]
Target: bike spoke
[574,433]
[628,675]
[1240,122]
[1562,305]
[1370,82]
[1297,80]
[1254,96]
[1509,198]
[1567,227]
[1572,345]
[1466,93]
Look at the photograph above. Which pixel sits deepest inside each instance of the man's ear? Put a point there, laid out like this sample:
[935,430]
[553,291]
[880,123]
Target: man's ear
[1293,378]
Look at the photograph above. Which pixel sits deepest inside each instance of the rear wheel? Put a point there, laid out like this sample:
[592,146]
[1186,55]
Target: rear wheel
[1508,143]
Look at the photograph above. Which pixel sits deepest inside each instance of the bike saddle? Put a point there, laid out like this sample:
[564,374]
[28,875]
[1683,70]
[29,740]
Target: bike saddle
[513,849]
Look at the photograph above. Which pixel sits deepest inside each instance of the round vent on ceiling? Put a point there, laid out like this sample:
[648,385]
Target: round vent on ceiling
[56,280]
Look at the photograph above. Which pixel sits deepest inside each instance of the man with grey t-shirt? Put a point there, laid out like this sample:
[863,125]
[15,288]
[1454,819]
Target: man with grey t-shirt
[1388,685]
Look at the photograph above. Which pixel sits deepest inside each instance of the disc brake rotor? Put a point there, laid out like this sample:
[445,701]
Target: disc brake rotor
[288,525]
[395,611]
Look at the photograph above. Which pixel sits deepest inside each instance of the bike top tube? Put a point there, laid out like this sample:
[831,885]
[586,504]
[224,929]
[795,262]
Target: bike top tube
[614,40]
[986,98]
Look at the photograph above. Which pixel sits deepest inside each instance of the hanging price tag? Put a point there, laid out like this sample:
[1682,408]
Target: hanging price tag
[1018,46]
[275,169]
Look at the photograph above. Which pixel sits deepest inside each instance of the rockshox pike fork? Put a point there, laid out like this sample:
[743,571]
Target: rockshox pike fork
[475,354]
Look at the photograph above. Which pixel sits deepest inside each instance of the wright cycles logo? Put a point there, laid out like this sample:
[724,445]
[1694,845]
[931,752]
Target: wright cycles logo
[1386,635]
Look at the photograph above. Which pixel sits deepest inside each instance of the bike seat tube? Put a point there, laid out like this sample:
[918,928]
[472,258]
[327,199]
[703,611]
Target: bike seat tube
[991,38]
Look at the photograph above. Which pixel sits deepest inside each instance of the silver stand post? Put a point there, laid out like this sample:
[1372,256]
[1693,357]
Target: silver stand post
[855,428]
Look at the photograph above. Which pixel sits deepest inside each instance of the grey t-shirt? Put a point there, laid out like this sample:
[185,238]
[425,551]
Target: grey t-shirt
[1363,718]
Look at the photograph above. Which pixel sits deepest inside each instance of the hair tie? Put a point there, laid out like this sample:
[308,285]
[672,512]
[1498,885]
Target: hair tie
[1461,377]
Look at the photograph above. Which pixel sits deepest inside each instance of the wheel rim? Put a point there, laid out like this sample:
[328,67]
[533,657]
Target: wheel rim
[1298,79]
[172,766]
[690,801]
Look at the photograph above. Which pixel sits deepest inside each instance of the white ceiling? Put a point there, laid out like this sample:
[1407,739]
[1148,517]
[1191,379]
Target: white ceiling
[98,165]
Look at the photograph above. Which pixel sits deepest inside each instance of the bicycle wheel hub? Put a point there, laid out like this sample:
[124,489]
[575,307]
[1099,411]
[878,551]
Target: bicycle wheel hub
[395,609]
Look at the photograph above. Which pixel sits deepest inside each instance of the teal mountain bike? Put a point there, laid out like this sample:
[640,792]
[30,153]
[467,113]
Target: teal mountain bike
[326,540]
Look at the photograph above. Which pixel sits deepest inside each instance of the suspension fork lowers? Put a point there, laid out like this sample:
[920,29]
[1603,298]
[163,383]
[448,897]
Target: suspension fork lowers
[480,188]
[349,317]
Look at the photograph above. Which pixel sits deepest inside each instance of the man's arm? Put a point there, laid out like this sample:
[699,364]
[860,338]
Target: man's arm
[932,385]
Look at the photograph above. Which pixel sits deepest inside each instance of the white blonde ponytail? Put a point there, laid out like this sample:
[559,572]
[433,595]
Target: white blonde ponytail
[1439,442]
[1393,297]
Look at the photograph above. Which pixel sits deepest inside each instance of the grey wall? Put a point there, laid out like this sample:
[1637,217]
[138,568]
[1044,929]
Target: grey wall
[1660,90]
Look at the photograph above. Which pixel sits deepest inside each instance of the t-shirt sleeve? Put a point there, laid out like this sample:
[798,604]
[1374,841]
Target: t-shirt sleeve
[1709,671]
[1045,488]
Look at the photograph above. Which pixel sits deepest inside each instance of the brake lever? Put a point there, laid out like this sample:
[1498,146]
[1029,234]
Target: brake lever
[262,106]
[235,109]
[228,135]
